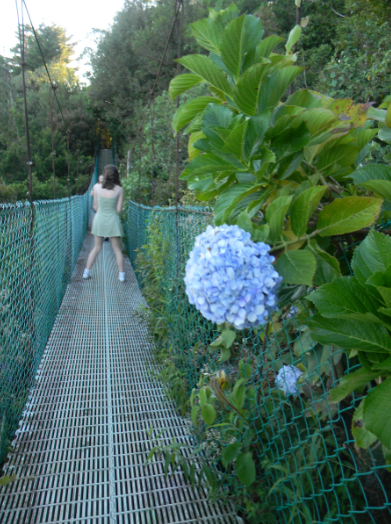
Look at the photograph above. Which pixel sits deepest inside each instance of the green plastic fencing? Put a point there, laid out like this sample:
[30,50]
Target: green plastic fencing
[312,471]
[37,258]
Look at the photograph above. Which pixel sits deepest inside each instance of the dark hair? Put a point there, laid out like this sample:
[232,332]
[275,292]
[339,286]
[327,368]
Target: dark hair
[110,177]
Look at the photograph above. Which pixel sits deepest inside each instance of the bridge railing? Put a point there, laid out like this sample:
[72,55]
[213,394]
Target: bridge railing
[308,467]
[37,257]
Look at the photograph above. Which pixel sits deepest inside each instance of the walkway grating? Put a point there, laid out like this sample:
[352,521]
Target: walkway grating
[81,447]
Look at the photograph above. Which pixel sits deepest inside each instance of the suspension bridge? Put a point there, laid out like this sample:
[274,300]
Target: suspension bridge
[80,450]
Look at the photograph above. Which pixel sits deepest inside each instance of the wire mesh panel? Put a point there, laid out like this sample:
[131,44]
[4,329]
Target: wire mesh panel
[38,252]
[309,468]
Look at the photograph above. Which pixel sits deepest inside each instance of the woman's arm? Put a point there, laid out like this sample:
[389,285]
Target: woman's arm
[95,195]
[120,200]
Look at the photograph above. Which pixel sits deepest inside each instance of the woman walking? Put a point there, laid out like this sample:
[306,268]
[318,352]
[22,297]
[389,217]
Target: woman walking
[108,201]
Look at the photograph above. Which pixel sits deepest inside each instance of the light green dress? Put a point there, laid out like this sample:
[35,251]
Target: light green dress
[106,221]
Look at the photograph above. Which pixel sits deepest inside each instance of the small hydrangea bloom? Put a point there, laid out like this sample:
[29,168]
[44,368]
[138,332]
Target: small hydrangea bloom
[229,278]
[292,312]
[287,379]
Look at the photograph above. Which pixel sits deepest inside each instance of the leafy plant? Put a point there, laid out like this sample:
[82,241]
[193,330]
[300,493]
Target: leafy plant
[354,313]
[282,170]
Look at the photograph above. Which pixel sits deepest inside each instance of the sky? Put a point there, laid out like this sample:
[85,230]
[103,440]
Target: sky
[77,17]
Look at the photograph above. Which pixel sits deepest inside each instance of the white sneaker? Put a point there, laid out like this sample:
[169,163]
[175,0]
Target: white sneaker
[121,277]
[87,273]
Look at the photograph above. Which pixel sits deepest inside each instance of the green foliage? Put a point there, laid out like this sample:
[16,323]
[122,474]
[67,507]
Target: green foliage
[353,313]
[76,111]
[283,169]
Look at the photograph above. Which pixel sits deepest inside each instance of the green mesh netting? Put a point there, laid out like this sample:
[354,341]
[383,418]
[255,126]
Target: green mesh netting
[36,262]
[307,457]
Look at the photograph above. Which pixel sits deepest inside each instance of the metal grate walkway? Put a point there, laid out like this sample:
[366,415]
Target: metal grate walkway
[81,446]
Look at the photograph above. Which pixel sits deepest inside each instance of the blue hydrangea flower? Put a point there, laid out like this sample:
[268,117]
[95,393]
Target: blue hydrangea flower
[230,278]
[287,379]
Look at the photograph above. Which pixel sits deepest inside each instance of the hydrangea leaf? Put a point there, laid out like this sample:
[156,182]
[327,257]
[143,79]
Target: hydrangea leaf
[240,36]
[377,409]
[246,92]
[203,66]
[327,266]
[208,413]
[275,86]
[350,383]
[207,33]
[380,187]
[371,172]
[303,208]
[350,334]
[345,297]
[372,255]
[234,143]
[226,339]
[267,45]
[187,112]
[224,355]
[245,468]
[345,215]
[296,267]
[182,83]
[228,198]
[275,216]
[343,155]
[362,436]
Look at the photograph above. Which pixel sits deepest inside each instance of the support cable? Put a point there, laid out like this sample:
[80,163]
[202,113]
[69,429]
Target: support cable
[53,85]
[53,150]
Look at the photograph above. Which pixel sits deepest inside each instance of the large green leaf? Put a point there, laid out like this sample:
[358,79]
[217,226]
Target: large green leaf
[305,98]
[296,267]
[275,216]
[186,112]
[345,215]
[290,141]
[345,297]
[350,334]
[373,254]
[182,83]
[371,172]
[202,65]
[245,468]
[350,383]
[275,86]
[381,281]
[246,92]
[293,37]
[343,155]
[235,141]
[240,36]
[267,45]
[381,187]
[303,208]
[377,409]
[256,129]
[227,199]
[217,116]
[207,33]
[207,163]
[327,266]
[362,436]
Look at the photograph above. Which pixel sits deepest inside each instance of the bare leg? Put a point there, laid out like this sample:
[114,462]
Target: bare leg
[116,245]
[98,243]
